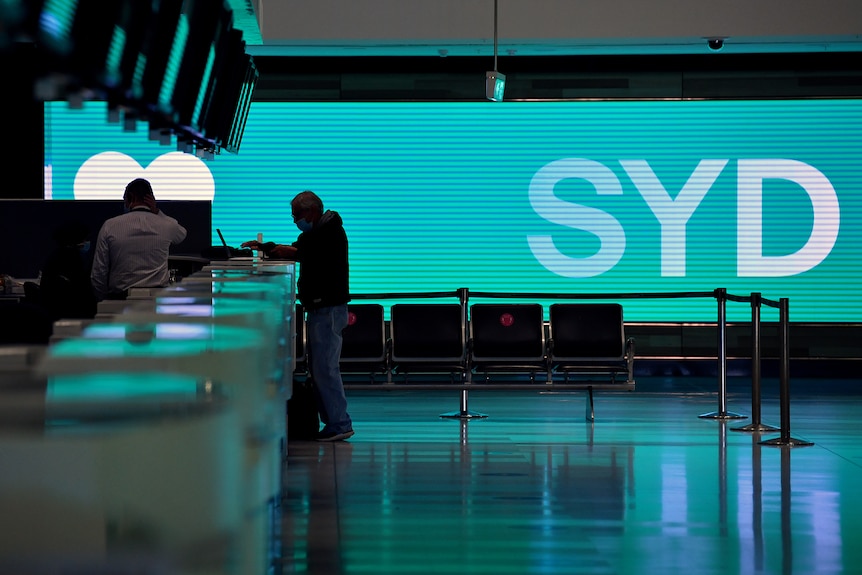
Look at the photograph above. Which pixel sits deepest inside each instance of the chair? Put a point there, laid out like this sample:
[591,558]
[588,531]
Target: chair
[507,338]
[589,339]
[428,338]
[365,348]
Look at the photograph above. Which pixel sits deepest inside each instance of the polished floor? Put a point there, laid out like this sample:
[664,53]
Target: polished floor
[650,486]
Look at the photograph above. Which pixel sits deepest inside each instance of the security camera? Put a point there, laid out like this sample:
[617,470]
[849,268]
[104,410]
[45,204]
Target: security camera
[715,44]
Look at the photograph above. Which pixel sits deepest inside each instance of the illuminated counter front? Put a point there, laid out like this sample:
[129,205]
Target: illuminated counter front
[274,283]
[253,263]
[259,315]
[128,469]
[231,357]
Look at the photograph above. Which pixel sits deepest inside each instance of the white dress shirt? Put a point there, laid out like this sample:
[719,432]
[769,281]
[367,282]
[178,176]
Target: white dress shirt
[132,251]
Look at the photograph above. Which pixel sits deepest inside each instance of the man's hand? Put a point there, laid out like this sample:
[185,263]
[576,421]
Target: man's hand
[273,251]
[150,202]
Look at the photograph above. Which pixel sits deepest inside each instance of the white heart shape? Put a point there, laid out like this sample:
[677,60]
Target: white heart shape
[174,176]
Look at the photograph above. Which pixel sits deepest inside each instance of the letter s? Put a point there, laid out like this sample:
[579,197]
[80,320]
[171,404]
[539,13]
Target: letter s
[576,216]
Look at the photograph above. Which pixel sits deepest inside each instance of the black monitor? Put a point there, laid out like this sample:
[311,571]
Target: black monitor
[207,21]
[229,81]
[240,116]
[123,75]
[162,53]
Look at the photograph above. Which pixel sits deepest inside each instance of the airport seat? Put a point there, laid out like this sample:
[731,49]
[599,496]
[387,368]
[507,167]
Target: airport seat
[588,339]
[365,348]
[507,338]
[428,338]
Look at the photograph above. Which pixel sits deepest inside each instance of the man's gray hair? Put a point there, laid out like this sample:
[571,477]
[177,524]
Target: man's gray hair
[307,200]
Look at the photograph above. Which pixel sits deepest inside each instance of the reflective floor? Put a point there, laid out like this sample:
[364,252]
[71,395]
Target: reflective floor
[649,487]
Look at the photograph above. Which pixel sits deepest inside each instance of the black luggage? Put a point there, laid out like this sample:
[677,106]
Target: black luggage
[303,422]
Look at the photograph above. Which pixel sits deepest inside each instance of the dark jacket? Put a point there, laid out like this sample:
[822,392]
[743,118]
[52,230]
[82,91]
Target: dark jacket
[323,263]
[65,289]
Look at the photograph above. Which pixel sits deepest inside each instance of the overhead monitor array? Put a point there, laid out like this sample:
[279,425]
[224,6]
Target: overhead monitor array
[179,65]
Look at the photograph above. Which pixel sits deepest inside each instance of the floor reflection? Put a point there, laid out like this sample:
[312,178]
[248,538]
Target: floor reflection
[649,486]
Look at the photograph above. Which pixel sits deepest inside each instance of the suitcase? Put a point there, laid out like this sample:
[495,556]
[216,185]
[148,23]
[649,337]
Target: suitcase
[303,422]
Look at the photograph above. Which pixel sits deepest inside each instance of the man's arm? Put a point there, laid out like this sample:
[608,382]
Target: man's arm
[178,233]
[272,249]
[282,252]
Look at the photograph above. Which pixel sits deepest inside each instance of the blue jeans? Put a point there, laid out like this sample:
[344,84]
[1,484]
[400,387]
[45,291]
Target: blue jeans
[324,327]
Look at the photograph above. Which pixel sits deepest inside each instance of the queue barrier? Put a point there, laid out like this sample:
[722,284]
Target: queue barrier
[601,334]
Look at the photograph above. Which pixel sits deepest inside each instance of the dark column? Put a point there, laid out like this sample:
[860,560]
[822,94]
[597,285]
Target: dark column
[22,144]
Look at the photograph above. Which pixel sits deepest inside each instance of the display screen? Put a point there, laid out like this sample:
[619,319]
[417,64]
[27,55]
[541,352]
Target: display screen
[634,197]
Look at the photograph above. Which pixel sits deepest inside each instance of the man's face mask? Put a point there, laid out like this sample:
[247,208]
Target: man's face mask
[304,225]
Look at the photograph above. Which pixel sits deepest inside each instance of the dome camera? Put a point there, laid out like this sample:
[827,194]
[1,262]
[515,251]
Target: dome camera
[715,44]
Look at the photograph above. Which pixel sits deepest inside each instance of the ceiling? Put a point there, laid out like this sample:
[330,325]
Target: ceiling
[470,28]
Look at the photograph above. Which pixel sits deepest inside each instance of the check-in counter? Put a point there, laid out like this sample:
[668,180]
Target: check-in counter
[126,473]
[235,357]
[259,315]
[258,269]
[18,379]
[275,283]
[254,263]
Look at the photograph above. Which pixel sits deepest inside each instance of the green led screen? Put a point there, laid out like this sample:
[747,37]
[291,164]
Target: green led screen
[531,197]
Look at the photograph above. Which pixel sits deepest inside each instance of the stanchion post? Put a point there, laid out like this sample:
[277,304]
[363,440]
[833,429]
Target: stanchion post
[784,375]
[756,425]
[722,413]
[464,300]
[464,408]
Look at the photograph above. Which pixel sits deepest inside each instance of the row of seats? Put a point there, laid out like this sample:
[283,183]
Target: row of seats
[485,341]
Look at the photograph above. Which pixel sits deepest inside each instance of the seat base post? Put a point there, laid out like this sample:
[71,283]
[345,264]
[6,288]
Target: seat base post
[464,413]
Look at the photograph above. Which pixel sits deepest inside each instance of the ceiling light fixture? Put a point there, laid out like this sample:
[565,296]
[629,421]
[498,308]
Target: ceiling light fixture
[495,82]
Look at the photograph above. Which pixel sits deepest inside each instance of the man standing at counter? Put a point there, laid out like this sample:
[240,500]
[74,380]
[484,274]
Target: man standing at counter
[323,290]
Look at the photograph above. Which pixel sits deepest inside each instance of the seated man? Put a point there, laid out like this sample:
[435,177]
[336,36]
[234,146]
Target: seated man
[132,249]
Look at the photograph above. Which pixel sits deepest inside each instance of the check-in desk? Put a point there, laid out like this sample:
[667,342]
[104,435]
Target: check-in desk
[256,268]
[258,298]
[254,263]
[234,358]
[123,473]
[259,315]
[249,289]
[254,272]
[18,378]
